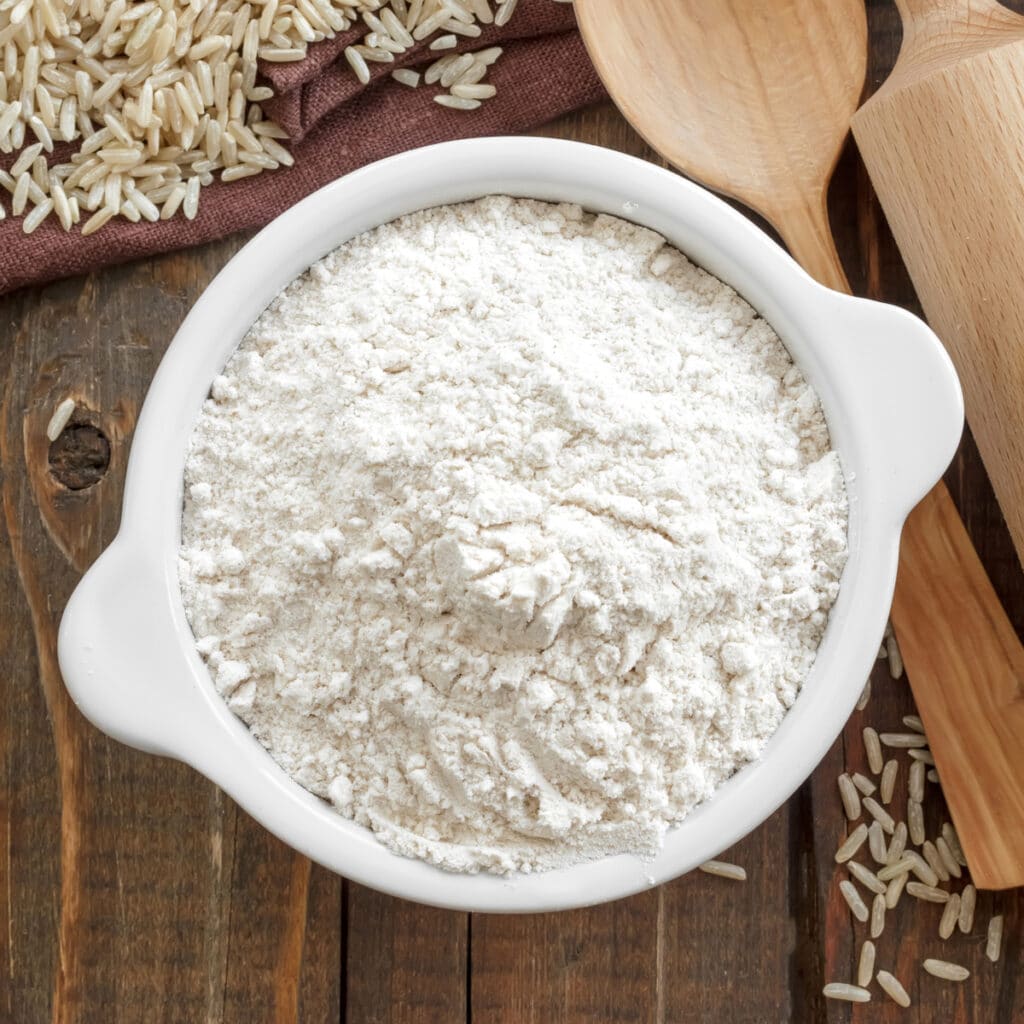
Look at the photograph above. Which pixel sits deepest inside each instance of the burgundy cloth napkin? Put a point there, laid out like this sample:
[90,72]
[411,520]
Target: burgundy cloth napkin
[336,125]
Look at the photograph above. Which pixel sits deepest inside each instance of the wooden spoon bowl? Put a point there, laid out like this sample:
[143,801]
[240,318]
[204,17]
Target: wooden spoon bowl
[754,100]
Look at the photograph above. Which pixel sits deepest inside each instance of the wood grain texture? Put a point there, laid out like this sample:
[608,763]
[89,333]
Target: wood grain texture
[405,963]
[184,910]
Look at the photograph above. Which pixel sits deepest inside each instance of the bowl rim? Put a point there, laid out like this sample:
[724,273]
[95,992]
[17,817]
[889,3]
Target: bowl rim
[895,431]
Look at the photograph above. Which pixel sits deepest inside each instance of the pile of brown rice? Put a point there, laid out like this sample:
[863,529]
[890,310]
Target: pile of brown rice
[157,98]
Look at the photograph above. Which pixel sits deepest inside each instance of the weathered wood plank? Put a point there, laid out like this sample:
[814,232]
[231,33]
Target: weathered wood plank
[405,963]
[599,964]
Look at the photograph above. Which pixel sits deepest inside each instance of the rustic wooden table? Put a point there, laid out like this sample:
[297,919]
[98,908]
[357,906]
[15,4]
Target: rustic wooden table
[131,890]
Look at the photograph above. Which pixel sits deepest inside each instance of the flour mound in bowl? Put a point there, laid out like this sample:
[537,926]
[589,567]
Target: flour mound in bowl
[511,533]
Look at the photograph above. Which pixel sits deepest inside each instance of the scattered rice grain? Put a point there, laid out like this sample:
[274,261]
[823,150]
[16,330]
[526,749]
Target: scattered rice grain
[853,842]
[953,842]
[928,893]
[915,821]
[877,915]
[864,698]
[968,901]
[888,784]
[894,891]
[407,77]
[59,419]
[879,813]
[873,749]
[876,843]
[904,740]
[994,938]
[949,862]
[892,987]
[946,970]
[866,877]
[863,783]
[950,916]
[849,796]
[847,993]
[456,102]
[857,906]
[915,785]
[900,867]
[866,964]
[723,869]
[931,854]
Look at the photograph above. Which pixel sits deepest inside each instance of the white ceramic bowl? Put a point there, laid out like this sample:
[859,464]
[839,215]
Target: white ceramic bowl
[888,389]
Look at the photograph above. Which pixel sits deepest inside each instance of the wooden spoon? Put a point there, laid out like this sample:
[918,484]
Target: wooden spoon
[755,100]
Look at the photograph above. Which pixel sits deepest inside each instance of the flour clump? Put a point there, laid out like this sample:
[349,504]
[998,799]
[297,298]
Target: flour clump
[511,533]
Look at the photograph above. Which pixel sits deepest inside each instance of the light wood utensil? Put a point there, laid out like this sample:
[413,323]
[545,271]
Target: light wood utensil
[754,100]
[943,140]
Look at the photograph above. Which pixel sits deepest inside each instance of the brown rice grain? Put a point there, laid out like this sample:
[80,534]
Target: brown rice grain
[928,893]
[948,860]
[931,854]
[723,869]
[915,821]
[849,796]
[865,697]
[898,843]
[946,970]
[900,867]
[915,785]
[863,783]
[968,901]
[888,784]
[59,419]
[456,102]
[894,891]
[853,842]
[876,844]
[866,963]
[844,992]
[920,868]
[950,916]
[866,877]
[877,915]
[873,749]
[953,842]
[904,740]
[892,987]
[853,900]
[879,813]
[994,938]
[473,91]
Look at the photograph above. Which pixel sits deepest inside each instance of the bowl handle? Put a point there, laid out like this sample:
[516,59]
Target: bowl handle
[120,654]
[907,388]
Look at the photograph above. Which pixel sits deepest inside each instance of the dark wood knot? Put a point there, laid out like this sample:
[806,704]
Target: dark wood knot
[80,457]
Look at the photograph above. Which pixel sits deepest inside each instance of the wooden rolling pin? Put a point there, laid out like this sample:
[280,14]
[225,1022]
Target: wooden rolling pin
[943,141]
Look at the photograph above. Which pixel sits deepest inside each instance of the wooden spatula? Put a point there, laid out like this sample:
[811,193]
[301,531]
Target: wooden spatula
[755,100]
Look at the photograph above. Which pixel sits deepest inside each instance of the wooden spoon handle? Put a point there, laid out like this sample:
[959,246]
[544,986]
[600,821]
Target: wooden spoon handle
[806,231]
[951,628]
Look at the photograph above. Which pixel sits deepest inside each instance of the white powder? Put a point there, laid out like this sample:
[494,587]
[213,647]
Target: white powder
[512,533]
